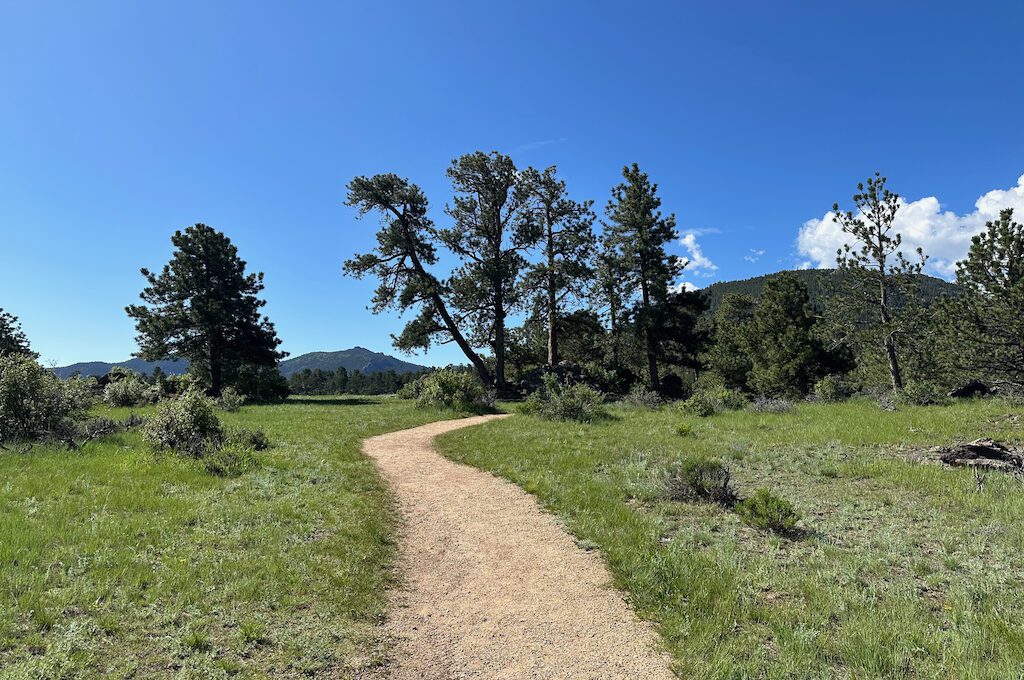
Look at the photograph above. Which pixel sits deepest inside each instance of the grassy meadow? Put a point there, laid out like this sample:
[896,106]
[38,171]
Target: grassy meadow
[118,562]
[901,570]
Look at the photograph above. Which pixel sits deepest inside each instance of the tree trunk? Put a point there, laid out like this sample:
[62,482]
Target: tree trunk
[552,301]
[499,338]
[216,371]
[652,358]
[887,337]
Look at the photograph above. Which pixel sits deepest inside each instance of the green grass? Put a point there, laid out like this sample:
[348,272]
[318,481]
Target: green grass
[904,569]
[117,562]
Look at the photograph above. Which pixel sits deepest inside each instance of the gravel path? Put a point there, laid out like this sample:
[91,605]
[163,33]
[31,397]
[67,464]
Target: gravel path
[494,588]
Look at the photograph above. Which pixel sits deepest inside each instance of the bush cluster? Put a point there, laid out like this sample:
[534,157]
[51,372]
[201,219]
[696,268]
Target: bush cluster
[451,388]
[556,401]
[710,481]
[709,401]
[187,425]
[230,399]
[922,394]
[832,389]
[640,396]
[37,406]
[129,389]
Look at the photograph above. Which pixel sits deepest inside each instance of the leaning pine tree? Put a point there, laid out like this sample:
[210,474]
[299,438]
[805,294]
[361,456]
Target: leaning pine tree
[204,307]
[405,249]
[881,281]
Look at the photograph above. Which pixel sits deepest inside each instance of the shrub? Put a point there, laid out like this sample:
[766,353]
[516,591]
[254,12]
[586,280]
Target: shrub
[642,397]
[771,405]
[768,512]
[412,389]
[532,405]
[578,402]
[699,405]
[259,383]
[187,425]
[129,390]
[37,406]
[923,394]
[729,400]
[230,460]
[701,479]
[685,430]
[454,389]
[256,440]
[833,388]
[100,427]
[132,420]
[230,400]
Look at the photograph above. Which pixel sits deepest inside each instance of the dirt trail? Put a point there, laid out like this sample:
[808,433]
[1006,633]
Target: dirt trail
[494,588]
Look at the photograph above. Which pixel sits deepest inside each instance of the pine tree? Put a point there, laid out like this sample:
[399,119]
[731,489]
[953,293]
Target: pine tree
[729,354]
[566,243]
[490,234]
[12,339]
[984,325]
[637,231]
[405,249]
[780,340]
[611,297]
[881,276]
[204,307]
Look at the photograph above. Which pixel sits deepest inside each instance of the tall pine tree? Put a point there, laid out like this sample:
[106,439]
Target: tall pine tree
[566,244]
[637,231]
[204,307]
[12,338]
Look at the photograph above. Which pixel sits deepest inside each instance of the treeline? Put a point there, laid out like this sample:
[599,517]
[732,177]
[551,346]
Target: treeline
[319,382]
[604,295]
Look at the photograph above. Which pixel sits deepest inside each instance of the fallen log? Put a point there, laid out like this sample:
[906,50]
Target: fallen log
[982,453]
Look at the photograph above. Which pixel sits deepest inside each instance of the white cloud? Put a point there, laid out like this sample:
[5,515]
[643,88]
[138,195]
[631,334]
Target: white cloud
[944,236]
[684,285]
[696,261]
[755,255]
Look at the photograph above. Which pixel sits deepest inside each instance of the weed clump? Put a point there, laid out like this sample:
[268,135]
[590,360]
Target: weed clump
[640,396]
[709,401]
[702,479]
[230,460]
[771,405]
[256,440]
[768,512]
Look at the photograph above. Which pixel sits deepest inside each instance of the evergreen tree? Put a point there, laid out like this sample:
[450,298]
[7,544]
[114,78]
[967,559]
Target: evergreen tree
[637,231]
[984,325]
[490,233]
[405,249]
[729,354]
[780,340]
[881,277]
[611,297]
[12,339]
[566,242]
[204,307]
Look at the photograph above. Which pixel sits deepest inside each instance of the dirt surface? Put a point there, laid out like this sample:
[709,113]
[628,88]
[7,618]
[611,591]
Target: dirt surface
[494,588]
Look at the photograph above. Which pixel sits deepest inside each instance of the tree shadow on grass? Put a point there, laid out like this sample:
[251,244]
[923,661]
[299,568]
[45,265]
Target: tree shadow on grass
[333,401]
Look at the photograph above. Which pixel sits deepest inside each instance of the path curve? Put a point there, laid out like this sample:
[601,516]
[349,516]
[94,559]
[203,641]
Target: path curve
[493,587]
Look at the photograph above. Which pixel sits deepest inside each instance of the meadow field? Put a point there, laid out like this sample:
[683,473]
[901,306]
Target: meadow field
[116,561]
[899,569]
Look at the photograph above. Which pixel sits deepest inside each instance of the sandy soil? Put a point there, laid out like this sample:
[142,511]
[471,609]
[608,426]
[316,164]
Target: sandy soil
[494,588]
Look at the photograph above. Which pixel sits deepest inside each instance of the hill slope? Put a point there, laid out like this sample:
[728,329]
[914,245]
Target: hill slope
[818,283]
[355,359]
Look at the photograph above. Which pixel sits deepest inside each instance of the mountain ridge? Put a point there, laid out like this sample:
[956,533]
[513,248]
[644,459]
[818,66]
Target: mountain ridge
[354,359]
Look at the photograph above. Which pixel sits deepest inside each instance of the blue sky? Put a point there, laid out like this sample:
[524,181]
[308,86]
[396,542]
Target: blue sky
[121,122]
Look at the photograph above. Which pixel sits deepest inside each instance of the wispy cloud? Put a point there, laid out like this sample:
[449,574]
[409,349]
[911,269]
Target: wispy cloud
[696,261]
[754,256]
[531,146]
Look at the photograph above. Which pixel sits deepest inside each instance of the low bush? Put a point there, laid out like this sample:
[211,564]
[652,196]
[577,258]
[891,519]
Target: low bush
[709,401]
[701,479]
[768,512]
[187,425]
[230,460]
[698,405]
[130,390]
[100,427]
[771,405]
[923,394]
[577,402]
[454,389]
[230,400]
[641,397]
[833,389]
[685,430]
[37,406]
[256,440]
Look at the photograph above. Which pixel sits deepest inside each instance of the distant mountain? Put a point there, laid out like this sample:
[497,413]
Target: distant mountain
[355,359]
[98,368]
[818,283]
